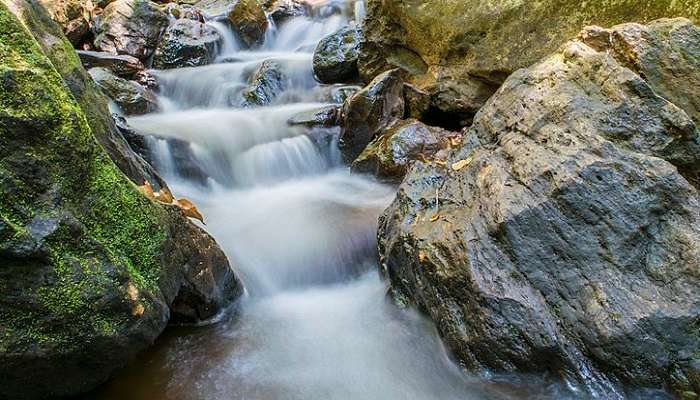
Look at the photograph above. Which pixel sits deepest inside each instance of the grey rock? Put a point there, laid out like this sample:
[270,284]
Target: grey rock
[324,116]
[282,10]
[564,235]
[368,112]
[266,84]
[187,43]
[132,98]
[389,155]
[123,66]
[131,27]
[335,58]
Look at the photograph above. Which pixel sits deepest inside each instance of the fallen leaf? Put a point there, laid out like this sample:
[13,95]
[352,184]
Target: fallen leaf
[461,164]
[435,218]
[422,256]
[455,141]
[165,196]
[147,190]
[189,209]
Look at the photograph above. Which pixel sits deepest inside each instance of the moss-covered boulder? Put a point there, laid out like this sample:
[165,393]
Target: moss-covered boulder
[460,51]
[90,269]
[249,21]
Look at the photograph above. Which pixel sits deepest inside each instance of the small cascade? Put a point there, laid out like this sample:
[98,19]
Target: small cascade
[301,231]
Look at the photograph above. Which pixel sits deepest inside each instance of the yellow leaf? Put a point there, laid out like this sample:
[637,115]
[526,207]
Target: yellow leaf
[147,190]
[461,164]
[422,256]
[435,218]
[189,209]
[165,196]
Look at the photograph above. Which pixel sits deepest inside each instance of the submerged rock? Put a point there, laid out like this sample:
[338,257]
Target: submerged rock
[460,51]
[266,84]
[368,112]
[131,97]
[564,235]
[123,66]
[131,27]
[248,20]
[89,267]
[186,43]
[335,58]
[390,154]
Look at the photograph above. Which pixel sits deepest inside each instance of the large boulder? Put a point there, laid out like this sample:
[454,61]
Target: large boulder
[90,269]
[390,154]
[564,235]
[248,20]
[368,112]
[132,98]
[187,43]
[131,27]
[266,84]
[282,10]
[460,51]
[92,101]
[335,58]
[122,66]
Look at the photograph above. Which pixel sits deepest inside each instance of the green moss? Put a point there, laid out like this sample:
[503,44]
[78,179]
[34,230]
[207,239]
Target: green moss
[108,235]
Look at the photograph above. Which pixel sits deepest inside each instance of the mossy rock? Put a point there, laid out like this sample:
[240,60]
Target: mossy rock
[89,267]
[460,51]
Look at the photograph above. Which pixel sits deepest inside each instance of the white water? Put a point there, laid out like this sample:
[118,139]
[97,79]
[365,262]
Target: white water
[301,231]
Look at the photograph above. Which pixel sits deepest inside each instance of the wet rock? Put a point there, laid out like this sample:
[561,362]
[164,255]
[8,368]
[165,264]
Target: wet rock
[325,116]
[187,43]
[369,112]
[460,51]
[131,27]
[122,66]
[266,84]
[131,97]
[389,155]
[89,267]
[564,235]
[73,16]
[335,58]
[248,20]
[282,10]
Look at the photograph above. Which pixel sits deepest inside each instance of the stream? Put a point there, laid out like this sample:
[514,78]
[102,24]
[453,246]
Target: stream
[300,229]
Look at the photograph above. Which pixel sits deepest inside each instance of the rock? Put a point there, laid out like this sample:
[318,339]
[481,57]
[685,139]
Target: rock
[73,17]
[185,11]
[282,10]
[460,51]
[324,116]
[248,20]
[335,58]
[131,27]
[266,84]
[390,154]
[187,43]
[122,66]
[369,112]
[92,102]
[89,267]
[131,97]
[564,235]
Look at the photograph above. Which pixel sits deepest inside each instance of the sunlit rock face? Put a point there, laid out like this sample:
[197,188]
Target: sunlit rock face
[564,235]
[461,51]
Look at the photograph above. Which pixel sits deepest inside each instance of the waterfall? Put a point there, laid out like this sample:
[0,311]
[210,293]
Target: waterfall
[301,231]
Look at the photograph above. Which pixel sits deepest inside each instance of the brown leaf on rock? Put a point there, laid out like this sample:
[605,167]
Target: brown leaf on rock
[189,209]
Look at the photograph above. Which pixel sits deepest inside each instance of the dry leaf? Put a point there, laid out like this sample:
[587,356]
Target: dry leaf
[461,164]
[422,256]
[455,141]
[147,190]
[435,218]
[189,209]
[165,196]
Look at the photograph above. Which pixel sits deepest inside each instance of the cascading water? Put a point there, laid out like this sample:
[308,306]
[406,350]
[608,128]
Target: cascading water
[300,229]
